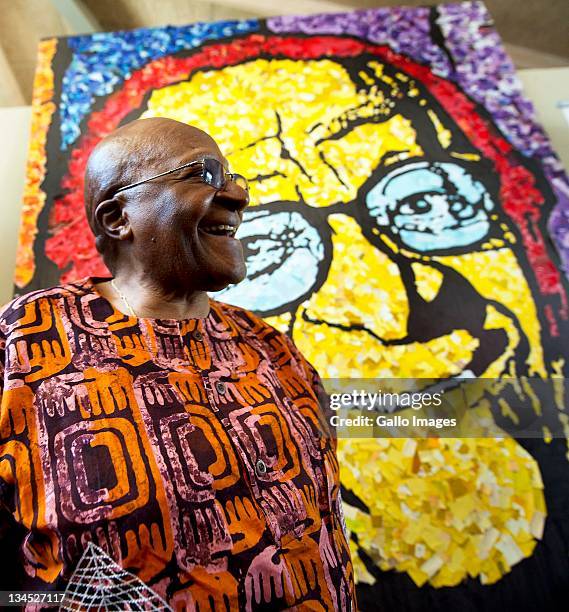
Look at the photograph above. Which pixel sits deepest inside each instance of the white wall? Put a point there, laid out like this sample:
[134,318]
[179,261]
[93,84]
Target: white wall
[545,87]
[15,132]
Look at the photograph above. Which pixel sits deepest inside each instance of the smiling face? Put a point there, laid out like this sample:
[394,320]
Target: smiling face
[181,230]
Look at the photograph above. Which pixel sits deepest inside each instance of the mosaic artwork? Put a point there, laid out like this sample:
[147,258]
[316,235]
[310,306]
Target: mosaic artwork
[409,219]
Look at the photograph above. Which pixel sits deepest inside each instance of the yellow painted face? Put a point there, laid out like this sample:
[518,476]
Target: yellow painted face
[346,275]
[336,248]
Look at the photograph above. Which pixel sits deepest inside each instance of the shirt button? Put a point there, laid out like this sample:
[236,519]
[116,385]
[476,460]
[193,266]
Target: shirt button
[221,388]
[261,468]
[197,335]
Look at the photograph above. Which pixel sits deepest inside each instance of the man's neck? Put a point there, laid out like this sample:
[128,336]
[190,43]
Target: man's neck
[147,299]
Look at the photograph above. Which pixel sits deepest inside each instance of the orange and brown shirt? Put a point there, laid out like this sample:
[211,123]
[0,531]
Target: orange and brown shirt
[194,453]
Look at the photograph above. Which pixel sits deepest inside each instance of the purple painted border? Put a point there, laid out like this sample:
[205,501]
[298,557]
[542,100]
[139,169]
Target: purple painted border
[482,69]
[487,74]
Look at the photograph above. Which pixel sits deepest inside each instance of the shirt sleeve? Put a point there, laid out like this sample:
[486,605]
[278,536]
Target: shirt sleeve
[11,533]
[4,514]
[3,505]
[315,382]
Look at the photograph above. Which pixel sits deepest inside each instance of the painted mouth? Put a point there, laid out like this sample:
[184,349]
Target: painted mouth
[220,230]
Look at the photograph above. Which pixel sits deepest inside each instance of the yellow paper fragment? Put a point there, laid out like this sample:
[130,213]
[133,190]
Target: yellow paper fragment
[443,509]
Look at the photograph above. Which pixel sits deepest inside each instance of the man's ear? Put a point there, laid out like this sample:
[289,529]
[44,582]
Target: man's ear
[113,219]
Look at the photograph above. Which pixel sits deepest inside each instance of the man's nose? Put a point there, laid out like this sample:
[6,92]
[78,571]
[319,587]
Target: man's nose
[233,196]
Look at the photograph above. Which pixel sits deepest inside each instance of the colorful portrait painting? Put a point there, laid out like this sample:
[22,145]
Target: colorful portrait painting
[408,219]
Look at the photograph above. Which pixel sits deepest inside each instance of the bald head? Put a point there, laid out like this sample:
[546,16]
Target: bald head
[133,152]
[164,230]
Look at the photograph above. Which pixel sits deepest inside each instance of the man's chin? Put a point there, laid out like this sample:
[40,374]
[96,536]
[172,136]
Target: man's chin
[221,281]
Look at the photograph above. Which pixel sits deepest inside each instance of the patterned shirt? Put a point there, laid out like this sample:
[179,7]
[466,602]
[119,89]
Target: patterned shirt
[192,453]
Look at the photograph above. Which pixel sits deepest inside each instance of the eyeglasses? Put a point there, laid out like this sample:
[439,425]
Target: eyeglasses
[213,174]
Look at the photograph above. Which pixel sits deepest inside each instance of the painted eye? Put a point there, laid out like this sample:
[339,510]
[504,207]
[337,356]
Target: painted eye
[431,206]
[284,253]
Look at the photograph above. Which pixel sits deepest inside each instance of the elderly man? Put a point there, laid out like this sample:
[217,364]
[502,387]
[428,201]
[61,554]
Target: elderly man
[166,442]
